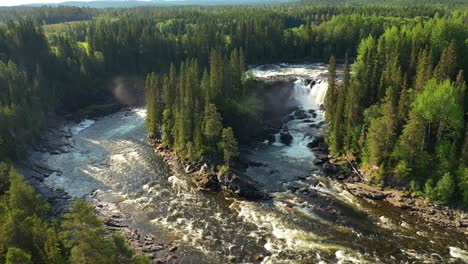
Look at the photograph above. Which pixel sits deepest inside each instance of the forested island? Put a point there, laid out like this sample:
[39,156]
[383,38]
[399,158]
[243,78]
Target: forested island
[216,84]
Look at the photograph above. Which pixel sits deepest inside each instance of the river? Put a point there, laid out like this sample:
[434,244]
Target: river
[310,218]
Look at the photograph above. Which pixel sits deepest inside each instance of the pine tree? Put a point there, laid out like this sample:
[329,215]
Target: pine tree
[332,93]
[423,70]
[446,69]
[403,104]
[236,74]
[154,104]
[212,124]
[381,134]
[85,235]
[228,145]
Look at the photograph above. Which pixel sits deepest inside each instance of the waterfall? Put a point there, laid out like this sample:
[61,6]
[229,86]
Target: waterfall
[310,96]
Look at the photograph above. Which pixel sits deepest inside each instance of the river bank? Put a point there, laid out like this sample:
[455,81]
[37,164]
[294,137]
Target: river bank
[340,170]
[206,177]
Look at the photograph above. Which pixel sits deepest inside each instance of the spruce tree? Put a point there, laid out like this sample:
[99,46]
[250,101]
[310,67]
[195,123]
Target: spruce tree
[228,145]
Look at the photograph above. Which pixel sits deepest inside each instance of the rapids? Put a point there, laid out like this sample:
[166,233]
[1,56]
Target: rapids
[310,219]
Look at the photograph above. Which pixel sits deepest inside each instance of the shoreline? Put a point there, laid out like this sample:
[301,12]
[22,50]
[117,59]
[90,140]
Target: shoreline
[205,177]
[454,218]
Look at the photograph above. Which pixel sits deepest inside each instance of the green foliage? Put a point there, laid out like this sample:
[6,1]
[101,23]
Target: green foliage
[445,189]
[17,256]
[228,145]
[212,123]
[429,190]
[404,109]
[402,170]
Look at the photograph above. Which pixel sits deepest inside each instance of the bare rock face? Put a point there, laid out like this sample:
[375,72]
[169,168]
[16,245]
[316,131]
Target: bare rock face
[242,186]
[206,182]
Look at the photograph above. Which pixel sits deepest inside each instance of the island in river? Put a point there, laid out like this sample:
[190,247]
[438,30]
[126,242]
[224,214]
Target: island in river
[309,218]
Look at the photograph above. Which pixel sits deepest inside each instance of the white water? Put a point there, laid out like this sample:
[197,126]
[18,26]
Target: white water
[75,129]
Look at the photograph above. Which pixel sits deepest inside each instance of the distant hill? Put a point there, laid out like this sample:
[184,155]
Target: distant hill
[139,3]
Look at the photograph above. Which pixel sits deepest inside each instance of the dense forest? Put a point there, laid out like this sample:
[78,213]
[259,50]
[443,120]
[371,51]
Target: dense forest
[399,110]
[403,110]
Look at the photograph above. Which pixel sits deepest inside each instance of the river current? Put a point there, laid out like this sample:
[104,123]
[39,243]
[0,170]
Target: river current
[310,219]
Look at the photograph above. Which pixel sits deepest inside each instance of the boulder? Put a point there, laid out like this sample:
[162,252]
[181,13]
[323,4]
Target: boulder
[318,162]
[206,181]
[316,141]
[286,138]
[270,138]
[242,186]
[329,168]
[300,114]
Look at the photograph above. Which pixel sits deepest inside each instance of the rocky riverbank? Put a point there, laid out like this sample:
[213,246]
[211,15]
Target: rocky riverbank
[340,170]
[143,243]
[207,178]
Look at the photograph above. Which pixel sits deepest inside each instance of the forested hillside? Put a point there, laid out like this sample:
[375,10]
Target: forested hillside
[400,112]
[403,111]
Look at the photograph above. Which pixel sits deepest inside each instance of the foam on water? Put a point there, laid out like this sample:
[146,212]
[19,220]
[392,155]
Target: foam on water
[81,126]
[459,253]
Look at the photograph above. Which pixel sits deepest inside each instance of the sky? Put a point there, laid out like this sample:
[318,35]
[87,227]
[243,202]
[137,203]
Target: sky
[22,2]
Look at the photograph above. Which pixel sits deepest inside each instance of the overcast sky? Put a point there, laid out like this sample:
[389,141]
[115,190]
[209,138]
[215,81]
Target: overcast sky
[22,2]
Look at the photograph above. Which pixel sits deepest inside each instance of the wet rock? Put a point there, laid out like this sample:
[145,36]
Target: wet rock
[112,223]
[318,162]
[302,177]
[286,138]
[270,138]
[364,191]
[206,181]
[321,156]
[242,186]
[152,248]
[329,168]
[300,114]
[308,121]
[293,186]
[257,164]
[316,141]
[172,249]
